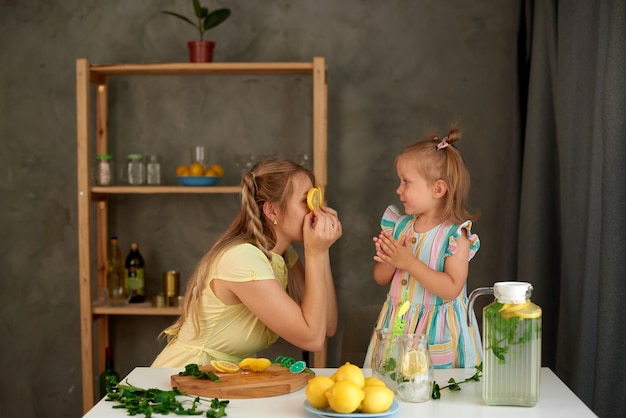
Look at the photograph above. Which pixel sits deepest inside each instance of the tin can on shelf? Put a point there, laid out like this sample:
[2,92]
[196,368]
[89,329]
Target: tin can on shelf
[171,287]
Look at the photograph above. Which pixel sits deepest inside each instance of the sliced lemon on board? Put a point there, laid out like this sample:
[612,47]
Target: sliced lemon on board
[255,364]
[224,366]
[314,198]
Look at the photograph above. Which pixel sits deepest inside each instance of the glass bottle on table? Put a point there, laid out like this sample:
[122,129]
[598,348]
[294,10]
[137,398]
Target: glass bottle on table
[109,377]
[135,275]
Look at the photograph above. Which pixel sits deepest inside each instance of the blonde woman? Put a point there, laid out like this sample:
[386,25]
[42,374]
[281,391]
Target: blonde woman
[251,287]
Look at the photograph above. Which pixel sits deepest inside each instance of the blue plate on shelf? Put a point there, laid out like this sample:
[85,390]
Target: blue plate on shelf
[330,413]
[198,180]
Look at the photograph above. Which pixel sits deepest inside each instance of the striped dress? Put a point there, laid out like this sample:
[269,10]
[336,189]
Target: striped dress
[452,343]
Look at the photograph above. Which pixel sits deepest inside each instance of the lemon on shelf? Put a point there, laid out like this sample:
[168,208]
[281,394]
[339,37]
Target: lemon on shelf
[182,171]
[216,170]
[196,169]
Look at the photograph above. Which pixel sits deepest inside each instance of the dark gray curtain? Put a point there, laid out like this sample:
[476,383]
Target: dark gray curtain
[573,191]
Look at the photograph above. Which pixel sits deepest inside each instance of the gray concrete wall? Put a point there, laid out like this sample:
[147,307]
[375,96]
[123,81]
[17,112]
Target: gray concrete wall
[396,69]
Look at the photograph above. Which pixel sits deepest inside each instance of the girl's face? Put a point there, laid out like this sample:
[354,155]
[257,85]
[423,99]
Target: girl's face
[415,193]
[291,220]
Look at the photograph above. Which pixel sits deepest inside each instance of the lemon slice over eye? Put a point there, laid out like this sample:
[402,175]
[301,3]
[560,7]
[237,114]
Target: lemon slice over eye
[314,198]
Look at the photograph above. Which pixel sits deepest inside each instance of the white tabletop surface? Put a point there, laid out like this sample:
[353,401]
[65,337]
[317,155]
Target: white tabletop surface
[555,400]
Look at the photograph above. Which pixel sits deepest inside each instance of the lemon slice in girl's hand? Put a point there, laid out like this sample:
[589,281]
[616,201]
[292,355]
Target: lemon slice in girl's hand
[314,198]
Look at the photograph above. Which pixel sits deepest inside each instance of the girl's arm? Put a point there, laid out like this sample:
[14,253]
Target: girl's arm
[447,284]
[383,271]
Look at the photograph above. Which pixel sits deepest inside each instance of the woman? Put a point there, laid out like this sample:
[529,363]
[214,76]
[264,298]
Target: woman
[251,287]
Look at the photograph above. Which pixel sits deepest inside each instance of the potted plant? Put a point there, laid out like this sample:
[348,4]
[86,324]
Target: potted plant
[201,50]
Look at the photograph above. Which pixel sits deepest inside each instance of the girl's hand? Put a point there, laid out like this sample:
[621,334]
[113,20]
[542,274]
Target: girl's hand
[395,253]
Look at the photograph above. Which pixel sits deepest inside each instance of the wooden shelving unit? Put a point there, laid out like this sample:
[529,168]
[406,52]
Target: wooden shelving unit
[93,201]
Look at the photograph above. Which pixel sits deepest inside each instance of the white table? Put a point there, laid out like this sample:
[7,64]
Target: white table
[556,399]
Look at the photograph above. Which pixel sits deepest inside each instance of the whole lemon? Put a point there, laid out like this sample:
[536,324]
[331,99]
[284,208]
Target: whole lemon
[373,381]
[349,372]
[196,169]
[182,170]
[377,399]
[345,397]
[218,170]
[316,391]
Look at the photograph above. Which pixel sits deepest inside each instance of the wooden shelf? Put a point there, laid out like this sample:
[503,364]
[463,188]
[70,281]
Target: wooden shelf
[99,307]
[93,202]
[241,68]
[164,189]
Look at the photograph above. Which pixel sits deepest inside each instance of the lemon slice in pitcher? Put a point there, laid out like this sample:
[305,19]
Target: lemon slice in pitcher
[314,198]
[414,363]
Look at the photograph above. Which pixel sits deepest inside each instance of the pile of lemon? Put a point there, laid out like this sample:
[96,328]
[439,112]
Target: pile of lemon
[197,170]
[348,390]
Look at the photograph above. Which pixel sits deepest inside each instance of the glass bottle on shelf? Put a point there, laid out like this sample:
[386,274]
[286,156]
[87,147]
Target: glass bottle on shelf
[153,170]
[135,275]
[109,376]
[116,288]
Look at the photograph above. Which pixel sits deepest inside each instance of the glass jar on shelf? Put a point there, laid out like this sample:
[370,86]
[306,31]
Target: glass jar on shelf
[135,170]
[103,170]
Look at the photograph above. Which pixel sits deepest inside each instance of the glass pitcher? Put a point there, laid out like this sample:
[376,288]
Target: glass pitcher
[511,344]
[414,369]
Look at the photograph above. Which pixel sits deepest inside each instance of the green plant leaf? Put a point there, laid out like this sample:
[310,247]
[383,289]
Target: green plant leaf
[197,8]
[215,18]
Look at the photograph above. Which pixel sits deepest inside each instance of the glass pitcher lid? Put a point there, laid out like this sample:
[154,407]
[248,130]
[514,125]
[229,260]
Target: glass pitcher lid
[512,292]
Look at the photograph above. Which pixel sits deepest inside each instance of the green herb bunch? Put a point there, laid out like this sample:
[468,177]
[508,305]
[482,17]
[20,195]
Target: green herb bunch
[138,401]
[205,20]
[505,332]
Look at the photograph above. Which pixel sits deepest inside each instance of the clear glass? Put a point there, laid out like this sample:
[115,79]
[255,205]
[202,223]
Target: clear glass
[153,170]
[200,155]
[385,357]
[135,170]
[414,371]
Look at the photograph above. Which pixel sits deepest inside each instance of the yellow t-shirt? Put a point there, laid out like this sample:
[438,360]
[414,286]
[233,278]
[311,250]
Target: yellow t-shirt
[227,332]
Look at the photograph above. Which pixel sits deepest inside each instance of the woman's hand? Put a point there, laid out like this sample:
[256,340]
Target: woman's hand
[321,229]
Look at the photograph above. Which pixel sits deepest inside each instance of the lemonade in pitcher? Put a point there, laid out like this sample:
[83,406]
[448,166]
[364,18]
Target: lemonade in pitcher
[511,344]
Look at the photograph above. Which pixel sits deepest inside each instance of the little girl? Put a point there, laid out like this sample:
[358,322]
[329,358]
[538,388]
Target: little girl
[425,254]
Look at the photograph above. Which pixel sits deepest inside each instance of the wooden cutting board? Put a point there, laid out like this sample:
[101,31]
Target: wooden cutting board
[274,381]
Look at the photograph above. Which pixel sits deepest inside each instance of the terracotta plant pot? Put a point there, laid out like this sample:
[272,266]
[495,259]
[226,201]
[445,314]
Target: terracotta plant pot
[201,51]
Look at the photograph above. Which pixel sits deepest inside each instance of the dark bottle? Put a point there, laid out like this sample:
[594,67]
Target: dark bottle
[109,377]
[135,275]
